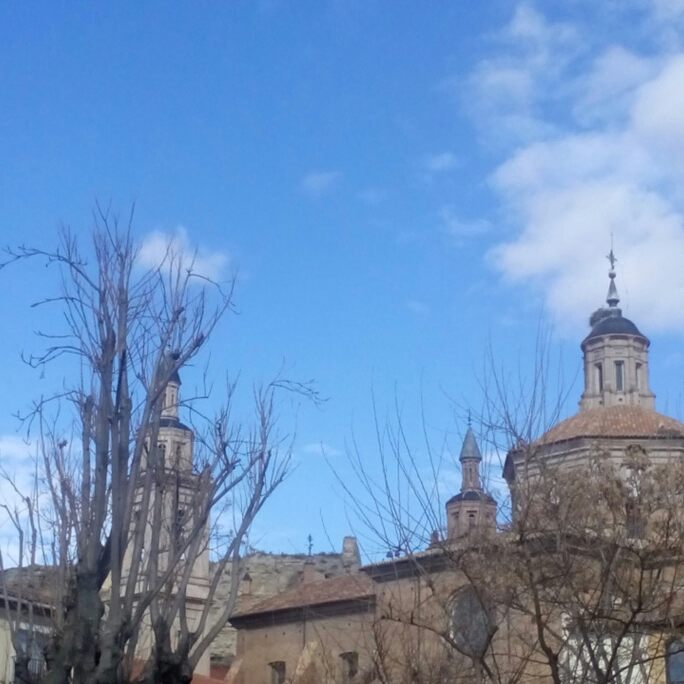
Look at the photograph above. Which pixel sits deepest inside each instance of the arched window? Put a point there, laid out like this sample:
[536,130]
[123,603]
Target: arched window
[471,622]
[675,662]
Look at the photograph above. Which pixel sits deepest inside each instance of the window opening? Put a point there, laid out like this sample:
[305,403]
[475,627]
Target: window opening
[599,376]
[620,376]
[277,672]
[350,665]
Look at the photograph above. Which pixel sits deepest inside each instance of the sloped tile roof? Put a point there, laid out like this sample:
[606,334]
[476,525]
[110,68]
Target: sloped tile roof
[333,590]
[615,422]
[37,583]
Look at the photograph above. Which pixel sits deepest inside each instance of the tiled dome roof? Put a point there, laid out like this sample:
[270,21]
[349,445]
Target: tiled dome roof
[615,422]
[614,325]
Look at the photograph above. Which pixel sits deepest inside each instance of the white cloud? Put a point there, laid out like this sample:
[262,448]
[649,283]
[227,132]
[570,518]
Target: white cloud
[461,229]
[606,91]
[606,155]
[321,449]
[441,163]
[503,92]
[15,449]
[319,183]
[162,248]
[669,10]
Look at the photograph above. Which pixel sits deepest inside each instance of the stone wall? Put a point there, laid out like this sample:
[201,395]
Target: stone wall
[267,574]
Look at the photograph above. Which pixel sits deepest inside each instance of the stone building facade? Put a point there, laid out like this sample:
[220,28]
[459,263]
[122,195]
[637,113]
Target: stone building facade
[266,575]
[398,614]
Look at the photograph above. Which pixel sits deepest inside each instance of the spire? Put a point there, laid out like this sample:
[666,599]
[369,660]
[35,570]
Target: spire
[171,391]
[470,451]
[470,462]
[613,298]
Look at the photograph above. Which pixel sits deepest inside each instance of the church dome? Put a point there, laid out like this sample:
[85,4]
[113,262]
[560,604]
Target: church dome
[471,495]
[615,422]
[614,325]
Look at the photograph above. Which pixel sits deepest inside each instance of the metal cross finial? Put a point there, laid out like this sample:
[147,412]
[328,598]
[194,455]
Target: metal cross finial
[310,540]
[470,420]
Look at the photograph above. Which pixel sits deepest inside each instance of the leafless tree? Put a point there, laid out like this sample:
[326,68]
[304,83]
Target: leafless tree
[125,564]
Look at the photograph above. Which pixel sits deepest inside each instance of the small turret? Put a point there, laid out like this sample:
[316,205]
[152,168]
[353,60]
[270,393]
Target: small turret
[175,438]
[472,510]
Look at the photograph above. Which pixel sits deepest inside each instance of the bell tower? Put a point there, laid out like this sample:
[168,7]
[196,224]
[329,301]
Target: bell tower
[177,484]
[615,357]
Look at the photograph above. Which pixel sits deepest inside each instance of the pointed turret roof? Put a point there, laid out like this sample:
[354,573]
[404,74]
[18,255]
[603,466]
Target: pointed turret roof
[609,320]
[470,450]
[612,299]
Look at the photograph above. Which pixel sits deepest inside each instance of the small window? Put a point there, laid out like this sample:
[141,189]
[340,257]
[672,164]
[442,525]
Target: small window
[599,376]
[277,672]
[620,376]
[639,380]
[350,665]
[675,662]
[179,529]
[472,519]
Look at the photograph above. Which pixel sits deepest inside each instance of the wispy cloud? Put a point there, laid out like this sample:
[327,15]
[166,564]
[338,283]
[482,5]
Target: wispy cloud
[166,248]
[417,307]
[321,449]
[504,92]
[15,449]
[439,163]
[593,143]
[461,229]
[16,482]
[319,183]
[373,196]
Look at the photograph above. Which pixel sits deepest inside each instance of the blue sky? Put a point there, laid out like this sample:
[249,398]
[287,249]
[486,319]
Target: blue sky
[396,184]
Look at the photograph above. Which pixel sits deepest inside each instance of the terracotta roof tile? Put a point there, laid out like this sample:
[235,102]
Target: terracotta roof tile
[614,421]
[343,588]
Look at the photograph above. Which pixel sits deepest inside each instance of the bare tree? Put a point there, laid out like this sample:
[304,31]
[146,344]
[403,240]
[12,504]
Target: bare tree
[125,562]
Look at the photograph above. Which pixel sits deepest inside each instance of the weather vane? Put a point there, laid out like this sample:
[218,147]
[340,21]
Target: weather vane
[611,256]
